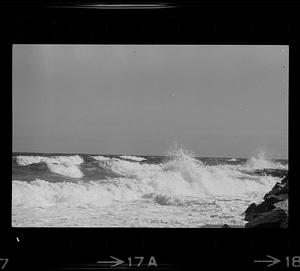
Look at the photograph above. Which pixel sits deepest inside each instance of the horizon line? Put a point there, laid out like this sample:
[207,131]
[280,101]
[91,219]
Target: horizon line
[111,154]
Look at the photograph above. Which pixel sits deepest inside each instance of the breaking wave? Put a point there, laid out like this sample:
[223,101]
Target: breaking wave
[262,162]
[167,183]
[63,165]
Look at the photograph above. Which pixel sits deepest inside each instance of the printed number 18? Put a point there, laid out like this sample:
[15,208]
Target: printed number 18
[293,262]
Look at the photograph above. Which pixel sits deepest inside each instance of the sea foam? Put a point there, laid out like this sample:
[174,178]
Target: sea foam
[262,162]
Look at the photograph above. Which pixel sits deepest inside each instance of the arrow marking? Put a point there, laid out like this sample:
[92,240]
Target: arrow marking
[116,262]
[272,261]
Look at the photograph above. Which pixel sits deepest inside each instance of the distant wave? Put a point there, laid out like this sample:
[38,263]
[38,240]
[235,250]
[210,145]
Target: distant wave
[134,158]
[130,168]
[64,165]
[261,162]
[100,157]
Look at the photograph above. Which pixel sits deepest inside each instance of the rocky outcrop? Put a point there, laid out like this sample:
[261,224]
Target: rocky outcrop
[273,211]
[272,219]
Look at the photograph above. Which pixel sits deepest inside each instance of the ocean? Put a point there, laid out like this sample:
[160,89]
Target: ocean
[175,190]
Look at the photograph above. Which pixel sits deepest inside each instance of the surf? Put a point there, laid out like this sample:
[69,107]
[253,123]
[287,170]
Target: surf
[178,178]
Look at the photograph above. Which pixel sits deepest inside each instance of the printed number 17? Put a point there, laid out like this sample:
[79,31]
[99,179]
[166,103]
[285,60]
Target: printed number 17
[3,262]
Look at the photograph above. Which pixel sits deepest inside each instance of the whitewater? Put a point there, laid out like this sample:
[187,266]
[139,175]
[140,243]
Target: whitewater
[175,190]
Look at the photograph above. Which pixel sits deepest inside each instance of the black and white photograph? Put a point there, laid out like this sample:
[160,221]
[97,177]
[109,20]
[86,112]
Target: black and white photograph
[150,136]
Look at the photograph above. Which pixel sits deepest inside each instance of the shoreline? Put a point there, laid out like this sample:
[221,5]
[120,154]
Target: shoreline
[271,212]
[216,226]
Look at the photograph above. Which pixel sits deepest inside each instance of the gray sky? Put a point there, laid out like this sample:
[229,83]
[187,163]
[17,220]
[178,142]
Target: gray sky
[223,101]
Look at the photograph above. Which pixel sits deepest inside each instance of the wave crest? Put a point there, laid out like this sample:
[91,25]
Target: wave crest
[64,165]
[133,158]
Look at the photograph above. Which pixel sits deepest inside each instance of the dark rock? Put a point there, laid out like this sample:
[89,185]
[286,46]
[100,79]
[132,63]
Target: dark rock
[270,213]
[251,208]
[283,204]
[250,216]
[285,189]
[254,210]
[226,226]
[279,197]
[284,223]
[279,188]
[266,205]
[272,219]
[285,179]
